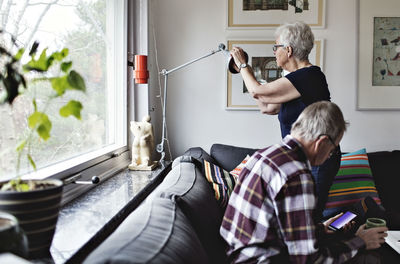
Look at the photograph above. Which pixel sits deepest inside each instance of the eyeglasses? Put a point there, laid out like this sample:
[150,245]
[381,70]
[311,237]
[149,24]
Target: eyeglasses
[336,150]
[276,46]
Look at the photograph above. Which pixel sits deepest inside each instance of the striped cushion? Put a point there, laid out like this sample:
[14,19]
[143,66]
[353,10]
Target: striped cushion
[352,183]
[236,171]
[221,181]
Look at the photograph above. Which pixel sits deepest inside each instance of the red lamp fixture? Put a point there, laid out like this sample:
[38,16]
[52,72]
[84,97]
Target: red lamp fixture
[141,74]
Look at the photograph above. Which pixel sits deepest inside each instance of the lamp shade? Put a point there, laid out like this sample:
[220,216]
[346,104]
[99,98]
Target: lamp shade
[232,67]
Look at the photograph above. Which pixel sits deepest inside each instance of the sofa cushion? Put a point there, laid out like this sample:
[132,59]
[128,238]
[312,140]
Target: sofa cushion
[156,232]
[236,171]
[187,185]
[221,181]
[228,157]
[353,182]
[385,169]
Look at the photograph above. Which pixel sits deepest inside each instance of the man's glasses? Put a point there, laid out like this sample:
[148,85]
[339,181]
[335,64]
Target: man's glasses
[276,46]
[336,150]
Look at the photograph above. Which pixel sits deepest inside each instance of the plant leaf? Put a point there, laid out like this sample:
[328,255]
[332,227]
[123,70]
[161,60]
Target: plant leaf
[23,187]
[19,54]
[34,104]
[72,108]
[40,65]
[65,66]
[60,55]
[21,145]
[43,130]
[31,161]
[16,185]
[76,81]
[41,122]
[60,84]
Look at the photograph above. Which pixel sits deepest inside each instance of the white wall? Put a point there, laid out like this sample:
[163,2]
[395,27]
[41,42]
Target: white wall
[187,29]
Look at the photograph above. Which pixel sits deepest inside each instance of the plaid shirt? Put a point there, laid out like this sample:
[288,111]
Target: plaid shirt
[270,212]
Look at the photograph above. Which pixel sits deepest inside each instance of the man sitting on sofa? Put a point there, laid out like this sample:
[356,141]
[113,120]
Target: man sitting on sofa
[269,217]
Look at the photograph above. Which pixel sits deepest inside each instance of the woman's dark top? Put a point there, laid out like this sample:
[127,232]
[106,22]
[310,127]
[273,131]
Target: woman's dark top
[311,84]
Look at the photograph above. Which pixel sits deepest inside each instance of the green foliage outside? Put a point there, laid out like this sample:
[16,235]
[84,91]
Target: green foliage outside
[66,79]
[65,137]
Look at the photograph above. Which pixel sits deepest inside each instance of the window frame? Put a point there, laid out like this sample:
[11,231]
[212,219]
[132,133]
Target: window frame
[114,161]
[115,157]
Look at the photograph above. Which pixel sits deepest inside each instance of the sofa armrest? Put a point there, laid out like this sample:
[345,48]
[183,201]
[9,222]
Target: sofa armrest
[385,169]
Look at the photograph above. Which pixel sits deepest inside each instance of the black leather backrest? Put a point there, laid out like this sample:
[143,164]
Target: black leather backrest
[228,157]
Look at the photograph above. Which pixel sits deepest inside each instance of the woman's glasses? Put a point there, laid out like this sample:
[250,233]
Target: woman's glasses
[276,46]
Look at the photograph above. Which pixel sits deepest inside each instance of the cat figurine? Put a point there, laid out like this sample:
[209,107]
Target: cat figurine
[143,144]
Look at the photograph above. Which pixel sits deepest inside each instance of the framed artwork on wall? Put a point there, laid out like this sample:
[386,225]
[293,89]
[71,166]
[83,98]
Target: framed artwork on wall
[386,52]
[272,13]
[378,86]
[262,60]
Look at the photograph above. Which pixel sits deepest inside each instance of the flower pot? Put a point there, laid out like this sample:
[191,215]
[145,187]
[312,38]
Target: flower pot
[12,238]
[37,214]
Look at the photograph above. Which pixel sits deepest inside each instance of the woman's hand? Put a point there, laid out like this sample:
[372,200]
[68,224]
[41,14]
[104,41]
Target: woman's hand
[239,57]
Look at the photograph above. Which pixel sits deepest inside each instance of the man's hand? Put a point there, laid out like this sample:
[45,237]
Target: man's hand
[373,237]
[345,228]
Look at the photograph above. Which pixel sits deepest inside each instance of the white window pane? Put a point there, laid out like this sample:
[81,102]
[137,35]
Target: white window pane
[93,31]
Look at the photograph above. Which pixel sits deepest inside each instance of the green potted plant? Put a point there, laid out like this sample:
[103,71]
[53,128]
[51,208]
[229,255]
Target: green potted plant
[35,203]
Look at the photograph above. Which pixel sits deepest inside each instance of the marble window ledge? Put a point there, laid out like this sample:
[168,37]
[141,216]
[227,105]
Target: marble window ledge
[86,221]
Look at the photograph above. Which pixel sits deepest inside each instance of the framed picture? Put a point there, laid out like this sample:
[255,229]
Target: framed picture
[262,60]
[272,13]
[378,86]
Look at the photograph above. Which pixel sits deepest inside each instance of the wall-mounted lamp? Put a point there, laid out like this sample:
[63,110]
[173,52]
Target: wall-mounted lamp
[142,75]
[165,73]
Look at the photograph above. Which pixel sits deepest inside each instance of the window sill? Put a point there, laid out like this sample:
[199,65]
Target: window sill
[85,222]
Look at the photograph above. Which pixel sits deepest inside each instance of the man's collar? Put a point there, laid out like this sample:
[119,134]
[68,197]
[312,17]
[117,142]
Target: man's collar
[294,144]
[291,142]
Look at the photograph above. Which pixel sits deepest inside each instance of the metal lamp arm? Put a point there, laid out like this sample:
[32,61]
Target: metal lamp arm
[165,73]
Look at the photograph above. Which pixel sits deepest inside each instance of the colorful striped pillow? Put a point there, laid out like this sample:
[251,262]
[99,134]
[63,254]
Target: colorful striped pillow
[221,181]
[236,171]
[352,183]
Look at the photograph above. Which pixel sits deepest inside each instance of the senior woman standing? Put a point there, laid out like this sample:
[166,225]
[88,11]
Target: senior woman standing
[289,95]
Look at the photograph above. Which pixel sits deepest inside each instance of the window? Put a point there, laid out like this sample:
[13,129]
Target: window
[94,31]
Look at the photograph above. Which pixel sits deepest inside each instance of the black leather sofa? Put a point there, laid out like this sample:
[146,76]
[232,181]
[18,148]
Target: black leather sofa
[179,221]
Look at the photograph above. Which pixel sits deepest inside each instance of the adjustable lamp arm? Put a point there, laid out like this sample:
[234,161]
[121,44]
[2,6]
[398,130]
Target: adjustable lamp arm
[164,72]
[220,48]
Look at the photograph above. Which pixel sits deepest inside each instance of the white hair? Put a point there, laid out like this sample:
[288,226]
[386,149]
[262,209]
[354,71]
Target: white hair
[320,118]
[298,36]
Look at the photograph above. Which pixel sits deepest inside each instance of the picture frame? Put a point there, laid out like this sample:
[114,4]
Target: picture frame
[260,53]
[266,14]
[378,61]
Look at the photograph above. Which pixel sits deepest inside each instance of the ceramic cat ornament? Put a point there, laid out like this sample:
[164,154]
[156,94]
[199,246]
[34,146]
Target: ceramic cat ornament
[143,144]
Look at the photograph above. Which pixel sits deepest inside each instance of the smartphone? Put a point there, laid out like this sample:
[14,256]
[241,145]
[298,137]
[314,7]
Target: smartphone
[342,221]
